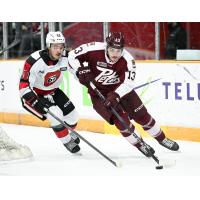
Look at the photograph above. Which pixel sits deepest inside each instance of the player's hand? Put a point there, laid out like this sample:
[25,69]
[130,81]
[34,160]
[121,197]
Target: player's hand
[112,99]
[39,106]
[85,75]
[37,103]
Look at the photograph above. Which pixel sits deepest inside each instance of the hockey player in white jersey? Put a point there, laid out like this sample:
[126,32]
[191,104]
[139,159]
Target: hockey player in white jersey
[42,74]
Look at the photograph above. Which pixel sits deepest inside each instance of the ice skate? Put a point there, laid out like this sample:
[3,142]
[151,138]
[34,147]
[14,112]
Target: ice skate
[146,149]
[169,144]
[72,145]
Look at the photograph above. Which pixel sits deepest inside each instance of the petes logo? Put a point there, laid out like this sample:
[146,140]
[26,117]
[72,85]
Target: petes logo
[107,76]
[102,64]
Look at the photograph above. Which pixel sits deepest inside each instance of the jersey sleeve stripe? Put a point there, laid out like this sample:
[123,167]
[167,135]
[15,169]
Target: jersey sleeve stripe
[24,81]
[23,84]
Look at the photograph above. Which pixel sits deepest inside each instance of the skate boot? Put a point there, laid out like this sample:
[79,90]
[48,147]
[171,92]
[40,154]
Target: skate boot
[75,138]
[169,144]
[146,149]
[72,145]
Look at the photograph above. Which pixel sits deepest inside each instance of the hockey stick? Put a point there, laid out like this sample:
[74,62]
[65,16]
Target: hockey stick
[14,43]
[116,164]
[124,124]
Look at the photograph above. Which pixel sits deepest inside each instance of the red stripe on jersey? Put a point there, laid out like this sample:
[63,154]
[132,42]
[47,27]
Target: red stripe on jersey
[26,71]
[43,92]
[62,133]
[25,76]
[23,85]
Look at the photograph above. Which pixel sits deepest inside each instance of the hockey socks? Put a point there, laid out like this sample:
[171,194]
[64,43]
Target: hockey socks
[141,146]
[150,125]
[70,141]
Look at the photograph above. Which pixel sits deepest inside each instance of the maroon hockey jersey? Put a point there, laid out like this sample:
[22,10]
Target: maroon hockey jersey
[118,77]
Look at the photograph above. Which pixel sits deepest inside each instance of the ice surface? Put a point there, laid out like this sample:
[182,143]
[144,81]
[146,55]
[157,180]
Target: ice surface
[52,159]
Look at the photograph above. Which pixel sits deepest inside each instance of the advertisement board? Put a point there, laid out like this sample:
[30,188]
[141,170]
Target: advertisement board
[169,90]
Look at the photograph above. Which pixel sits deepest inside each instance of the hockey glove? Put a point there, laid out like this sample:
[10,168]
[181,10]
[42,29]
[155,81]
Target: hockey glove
[112,99]
[85,75]
[37,103]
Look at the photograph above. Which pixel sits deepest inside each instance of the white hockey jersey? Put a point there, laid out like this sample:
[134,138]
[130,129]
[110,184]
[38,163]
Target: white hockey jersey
[42,74]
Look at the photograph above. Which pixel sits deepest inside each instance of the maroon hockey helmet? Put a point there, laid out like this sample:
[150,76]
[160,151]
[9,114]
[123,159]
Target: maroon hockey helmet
[115,40]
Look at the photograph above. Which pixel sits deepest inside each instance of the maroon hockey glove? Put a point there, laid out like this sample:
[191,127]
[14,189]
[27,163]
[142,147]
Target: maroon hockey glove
[112,99]
[85,75]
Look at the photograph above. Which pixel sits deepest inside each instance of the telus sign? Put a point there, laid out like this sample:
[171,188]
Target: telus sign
[182,91]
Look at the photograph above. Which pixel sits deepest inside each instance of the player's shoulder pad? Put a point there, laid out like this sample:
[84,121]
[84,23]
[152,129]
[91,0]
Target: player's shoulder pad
[129,58]
[88,47]
[127,55]
[36,55]
[33,58]
[96,46]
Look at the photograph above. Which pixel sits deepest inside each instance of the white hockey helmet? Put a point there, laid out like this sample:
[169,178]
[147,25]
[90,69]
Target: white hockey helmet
[54,37]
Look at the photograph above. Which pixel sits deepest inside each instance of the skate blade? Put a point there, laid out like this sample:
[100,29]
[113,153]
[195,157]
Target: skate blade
[77,154]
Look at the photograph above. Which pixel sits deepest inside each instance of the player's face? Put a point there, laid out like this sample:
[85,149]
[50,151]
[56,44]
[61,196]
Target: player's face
[114,54]
[56,50]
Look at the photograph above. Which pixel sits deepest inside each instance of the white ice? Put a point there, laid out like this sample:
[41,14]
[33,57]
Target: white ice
[52,159]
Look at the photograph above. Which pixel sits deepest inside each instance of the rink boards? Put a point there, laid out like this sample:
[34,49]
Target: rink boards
[169,89]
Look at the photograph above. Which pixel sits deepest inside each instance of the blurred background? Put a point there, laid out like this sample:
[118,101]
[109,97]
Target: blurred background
[145,40]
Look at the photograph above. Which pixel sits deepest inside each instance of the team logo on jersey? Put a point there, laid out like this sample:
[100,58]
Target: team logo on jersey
[51,78]
[107,76]
[102,64]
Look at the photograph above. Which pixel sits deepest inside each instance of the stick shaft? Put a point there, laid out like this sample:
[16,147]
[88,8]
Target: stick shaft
[81,137]
[121,120]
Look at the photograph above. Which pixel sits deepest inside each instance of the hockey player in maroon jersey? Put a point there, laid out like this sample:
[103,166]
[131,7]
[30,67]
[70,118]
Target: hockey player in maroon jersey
[112,69]
[41,76]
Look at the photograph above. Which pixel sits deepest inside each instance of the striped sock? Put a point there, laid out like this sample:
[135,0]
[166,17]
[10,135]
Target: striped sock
[62,133]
